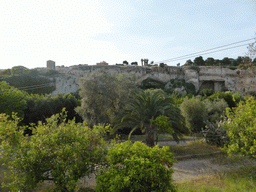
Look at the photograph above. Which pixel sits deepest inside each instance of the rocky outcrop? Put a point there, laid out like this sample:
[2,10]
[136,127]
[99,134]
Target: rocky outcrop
[217,78]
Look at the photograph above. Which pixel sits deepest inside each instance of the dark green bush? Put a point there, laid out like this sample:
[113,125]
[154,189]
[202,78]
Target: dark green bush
[206,92]
[31,83]
[40,107]
[214,134]
[227,96]
[195,113]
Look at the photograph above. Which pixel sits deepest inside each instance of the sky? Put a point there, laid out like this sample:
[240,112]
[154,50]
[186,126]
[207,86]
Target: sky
[72,32]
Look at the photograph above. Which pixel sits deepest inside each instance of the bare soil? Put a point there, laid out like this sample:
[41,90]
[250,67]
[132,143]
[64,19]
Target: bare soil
[186,170]
[190,169]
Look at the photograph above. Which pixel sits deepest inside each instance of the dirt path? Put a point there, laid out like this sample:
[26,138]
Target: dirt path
[189,169]
[193,168]
[186,170]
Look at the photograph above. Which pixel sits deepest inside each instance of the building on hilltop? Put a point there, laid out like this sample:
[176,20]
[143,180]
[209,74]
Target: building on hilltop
[50,64]
[103,63]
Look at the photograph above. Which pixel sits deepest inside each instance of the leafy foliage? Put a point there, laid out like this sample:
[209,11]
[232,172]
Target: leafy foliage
[19,70]
[31,83]
[195,114]
[199,61]
[137,167]
[125,62]
[163,123]
[206,92]
[134,63]
[215,109]
[231,100]
[12,100]
[241,128]
[149,83]
[144,108]
[180,83]
[51,73]
[214,134]
[104,95]
[40,107]
[57,151]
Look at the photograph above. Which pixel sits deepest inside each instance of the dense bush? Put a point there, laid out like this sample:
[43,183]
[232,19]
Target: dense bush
[40,107]
[32,83]
[11,100]
[215,109]
[180,83]
[50,73]
[137,167]
[58,152]
[227,96]
[206,92]
[195,113]
[214,134]
[104,95]
[241,128]
[144,108]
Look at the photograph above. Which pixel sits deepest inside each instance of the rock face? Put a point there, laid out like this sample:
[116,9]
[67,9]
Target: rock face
[216,78]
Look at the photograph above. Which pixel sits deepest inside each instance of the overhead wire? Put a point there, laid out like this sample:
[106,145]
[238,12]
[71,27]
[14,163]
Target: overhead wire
[32,87]
[171,60]
[200,52]
[168,60]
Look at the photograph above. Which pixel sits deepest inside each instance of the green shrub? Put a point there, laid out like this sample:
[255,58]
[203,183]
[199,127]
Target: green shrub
[206,92]
[195,114]
[59,152]
[32,83]
[137,167]
[214,134]
[215,109]
[241,128]
[11,100]
[40,107]
[196,68]
[227,96]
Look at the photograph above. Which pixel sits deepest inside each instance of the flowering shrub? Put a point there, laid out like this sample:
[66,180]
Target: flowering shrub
[57,151]
[137,167]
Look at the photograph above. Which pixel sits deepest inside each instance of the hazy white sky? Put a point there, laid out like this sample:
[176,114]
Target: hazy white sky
[86,32]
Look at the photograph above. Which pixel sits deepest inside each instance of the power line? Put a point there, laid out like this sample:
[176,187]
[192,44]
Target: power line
[192,54]
[32,87]
[171,60]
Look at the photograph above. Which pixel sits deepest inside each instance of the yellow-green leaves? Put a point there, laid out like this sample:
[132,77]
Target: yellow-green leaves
[58,151]
[164,124]
[137,167]
[241,128]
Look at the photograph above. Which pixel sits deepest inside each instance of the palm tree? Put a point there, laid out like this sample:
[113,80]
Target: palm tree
[144,108]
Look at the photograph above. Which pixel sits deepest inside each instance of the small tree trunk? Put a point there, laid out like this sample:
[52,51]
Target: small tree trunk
[149,137]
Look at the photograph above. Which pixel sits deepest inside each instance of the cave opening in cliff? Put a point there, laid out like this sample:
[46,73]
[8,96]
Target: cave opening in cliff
[217,85]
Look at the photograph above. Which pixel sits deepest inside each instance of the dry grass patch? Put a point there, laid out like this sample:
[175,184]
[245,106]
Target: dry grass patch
[211,181]
[193,147]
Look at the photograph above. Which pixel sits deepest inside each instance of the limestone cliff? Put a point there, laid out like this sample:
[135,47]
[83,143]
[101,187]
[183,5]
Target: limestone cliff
[217,78]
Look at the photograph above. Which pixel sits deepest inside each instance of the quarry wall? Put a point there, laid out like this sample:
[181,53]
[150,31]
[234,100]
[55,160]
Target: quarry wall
[217,78]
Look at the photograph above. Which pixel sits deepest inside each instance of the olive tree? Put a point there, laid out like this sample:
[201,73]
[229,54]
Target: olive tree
[104,95]
[195,113]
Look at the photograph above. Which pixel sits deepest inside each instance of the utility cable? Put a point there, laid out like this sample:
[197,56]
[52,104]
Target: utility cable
[171,60]
[181,57]
[32,87]
[38,87]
